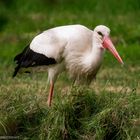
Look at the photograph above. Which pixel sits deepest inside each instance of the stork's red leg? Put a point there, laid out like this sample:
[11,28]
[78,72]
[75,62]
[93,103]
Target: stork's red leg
[50,94]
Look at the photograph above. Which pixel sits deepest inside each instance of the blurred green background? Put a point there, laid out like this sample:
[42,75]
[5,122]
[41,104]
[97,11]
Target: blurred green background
[21,20]
[108,109]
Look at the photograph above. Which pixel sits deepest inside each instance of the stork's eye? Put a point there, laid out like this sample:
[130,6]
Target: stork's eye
[100,33]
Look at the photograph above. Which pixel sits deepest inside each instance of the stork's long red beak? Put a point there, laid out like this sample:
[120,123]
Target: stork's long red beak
[107,43]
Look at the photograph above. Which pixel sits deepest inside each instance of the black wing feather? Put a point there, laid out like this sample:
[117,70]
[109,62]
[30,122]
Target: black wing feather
[29,58]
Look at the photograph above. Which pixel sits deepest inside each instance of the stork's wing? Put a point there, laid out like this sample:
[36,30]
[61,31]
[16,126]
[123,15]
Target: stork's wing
[54,45]
[29,58]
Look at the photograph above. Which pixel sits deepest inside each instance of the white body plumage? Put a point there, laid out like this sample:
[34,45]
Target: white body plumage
[75,48]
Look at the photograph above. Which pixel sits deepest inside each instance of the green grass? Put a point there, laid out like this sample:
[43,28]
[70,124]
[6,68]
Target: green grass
[106,110]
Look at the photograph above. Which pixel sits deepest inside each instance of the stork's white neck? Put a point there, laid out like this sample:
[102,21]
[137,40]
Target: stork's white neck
[95,56]
[96,41]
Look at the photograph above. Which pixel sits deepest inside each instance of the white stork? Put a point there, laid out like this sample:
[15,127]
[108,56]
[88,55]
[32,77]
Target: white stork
[74,48]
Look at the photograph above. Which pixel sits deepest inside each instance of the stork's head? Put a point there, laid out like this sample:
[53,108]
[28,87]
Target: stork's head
[102,33]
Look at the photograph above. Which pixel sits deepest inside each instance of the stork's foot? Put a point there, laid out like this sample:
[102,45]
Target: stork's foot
[49,102]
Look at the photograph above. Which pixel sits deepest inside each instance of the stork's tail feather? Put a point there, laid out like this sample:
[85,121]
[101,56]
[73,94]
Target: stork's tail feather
[29,58]
[19,56]
[16,70]
[18,59]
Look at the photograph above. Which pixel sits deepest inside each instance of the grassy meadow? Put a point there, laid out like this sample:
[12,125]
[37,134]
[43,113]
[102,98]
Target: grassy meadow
[109,109]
